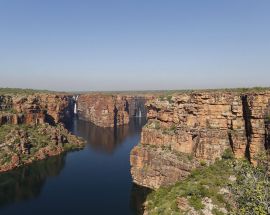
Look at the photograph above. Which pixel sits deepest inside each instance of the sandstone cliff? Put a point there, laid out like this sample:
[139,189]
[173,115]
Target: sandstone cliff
[185,130]
[109,110]
[34,109]
[30,128]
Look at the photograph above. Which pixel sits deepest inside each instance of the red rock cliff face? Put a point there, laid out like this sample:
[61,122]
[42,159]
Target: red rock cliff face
[109,110]
[42,134]
[103,110]
[33,109]
[186,129]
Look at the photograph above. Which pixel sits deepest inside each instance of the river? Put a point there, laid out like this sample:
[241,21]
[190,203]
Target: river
[95,180]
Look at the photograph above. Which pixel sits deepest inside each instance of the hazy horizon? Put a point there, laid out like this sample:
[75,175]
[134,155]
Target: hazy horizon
[126,45]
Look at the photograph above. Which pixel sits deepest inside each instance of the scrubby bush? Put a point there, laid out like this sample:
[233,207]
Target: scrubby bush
[248,188]
[205,181]
[267,117]
[227,154]
[157,124]
[169,99]
[252,188]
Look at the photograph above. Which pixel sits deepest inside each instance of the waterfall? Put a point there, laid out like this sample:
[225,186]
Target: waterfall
[75,98]
[75,108]
[140,113]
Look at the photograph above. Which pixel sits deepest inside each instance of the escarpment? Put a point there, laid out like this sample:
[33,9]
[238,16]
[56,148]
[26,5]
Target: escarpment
[35,109]
[186,130]
[110,110]
[31,128]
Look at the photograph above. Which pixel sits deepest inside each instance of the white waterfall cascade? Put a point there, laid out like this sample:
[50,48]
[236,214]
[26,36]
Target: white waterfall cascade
[75,105]
[75,108]
[140,113]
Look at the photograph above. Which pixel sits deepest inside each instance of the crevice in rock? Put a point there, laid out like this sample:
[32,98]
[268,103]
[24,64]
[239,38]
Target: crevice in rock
[196,141]
[267,128]
[115,116]
[127,107]
[49,119]
[248,126]
[231,140]
[267,136]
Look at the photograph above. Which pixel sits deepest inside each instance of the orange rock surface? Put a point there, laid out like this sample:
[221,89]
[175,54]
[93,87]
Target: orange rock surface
[200,125]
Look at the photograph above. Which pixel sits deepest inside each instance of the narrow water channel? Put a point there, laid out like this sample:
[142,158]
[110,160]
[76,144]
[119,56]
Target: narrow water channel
[95,180]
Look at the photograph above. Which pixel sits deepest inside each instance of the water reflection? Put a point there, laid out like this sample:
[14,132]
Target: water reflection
[27,182]
[95,180]
[106,139]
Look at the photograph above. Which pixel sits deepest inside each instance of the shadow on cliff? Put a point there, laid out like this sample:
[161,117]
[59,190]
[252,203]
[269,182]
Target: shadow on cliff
[105,140]
[27,182]
[138,198]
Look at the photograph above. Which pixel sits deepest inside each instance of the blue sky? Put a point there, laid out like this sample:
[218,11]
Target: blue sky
[134,44]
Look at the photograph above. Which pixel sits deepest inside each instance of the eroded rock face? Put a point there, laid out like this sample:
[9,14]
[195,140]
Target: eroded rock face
[22,145]
[109,110]
[30,128]
[33,109]
[153,166]
[200,125]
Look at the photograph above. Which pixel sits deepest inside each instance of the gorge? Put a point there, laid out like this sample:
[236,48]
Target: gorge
[184,130]
[69,182]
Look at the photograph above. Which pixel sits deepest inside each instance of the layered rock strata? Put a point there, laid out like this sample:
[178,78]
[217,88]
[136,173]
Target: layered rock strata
[109,110]
[31,128]
[198,126]
[34,109]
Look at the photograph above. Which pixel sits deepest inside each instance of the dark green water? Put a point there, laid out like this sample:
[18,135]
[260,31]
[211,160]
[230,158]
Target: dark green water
[95,180]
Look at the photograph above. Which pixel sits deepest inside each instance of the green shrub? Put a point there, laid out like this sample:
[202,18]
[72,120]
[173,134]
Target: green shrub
[217,212]
[162,98]
[4,158]
[252,188]
[203,163]
[227,154]
[196,202]
[205,181]
[268,117]
[173,127]
[157,124]
[169,99]
[190,157]
[170,131]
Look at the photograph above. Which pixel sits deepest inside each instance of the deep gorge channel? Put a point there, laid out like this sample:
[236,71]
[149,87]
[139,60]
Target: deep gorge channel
[95,180]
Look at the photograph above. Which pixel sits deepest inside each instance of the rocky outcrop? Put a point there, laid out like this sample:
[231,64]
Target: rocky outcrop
[20,145]
[109,110]
[199,126]
[153,166]
[31,128]
[34,109]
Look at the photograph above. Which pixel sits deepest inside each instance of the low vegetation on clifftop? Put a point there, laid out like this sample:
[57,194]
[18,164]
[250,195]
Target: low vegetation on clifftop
[228,186]
[23,144]
[19,91]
